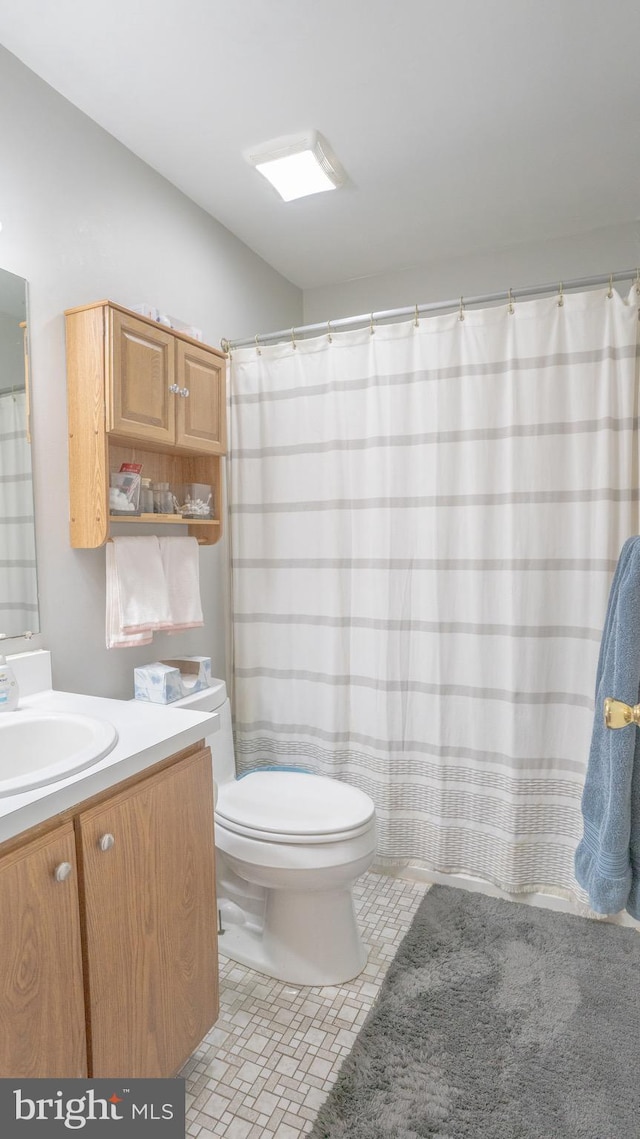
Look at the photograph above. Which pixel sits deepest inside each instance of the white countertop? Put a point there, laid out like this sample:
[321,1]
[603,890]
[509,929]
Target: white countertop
[147,733]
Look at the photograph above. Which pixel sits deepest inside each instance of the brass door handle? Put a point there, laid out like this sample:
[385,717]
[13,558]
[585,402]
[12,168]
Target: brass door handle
[619,715]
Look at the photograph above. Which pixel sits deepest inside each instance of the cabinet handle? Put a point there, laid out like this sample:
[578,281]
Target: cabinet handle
[62,872]
[174,388]
[106,841]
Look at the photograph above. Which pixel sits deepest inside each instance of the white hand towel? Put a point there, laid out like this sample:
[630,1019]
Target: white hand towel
[182,575]
[137,597]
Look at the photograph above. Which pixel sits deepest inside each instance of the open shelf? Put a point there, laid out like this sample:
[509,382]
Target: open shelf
[164,519]
[205,530]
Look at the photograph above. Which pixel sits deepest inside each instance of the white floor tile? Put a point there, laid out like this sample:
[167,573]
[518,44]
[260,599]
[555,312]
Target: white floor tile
[277,1048]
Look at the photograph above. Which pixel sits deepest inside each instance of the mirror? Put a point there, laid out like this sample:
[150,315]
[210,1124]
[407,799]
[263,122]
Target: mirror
[18,580]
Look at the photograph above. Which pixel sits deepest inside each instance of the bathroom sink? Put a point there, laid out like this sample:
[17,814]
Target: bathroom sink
[37,748]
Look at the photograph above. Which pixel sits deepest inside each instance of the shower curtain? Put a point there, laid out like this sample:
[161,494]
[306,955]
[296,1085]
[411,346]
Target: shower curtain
[424,522]
[18,585]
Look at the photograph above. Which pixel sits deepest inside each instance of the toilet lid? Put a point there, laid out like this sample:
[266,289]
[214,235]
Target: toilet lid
[293,803]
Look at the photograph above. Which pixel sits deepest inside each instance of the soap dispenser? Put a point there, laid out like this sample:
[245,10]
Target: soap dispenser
[8,687]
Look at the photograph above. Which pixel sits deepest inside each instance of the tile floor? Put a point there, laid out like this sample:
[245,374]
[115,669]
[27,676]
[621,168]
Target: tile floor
[267,1065]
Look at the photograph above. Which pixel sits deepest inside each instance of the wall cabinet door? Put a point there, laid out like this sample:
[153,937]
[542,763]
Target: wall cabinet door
[42,1023]
[149,885]
[200,404]
[141,376]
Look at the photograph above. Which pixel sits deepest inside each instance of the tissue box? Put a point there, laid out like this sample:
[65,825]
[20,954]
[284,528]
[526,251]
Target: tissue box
[167,680]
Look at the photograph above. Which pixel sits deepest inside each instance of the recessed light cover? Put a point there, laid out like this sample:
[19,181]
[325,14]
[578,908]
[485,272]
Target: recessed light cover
[298,165]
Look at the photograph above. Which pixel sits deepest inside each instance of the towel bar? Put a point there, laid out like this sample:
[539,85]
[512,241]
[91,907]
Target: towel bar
[619,715]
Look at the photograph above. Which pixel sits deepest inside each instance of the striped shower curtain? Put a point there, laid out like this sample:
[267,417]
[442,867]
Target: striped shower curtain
[18,582]
[424,522]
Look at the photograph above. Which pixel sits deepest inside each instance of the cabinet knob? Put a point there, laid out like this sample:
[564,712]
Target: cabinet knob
[106,841]
[62,872]
[174,388]
[184,392]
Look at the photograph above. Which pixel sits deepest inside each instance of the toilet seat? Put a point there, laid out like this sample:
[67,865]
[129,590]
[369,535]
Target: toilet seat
[293,807]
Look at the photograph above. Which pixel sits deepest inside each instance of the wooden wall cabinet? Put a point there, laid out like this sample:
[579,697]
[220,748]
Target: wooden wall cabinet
[140,392]
[139,897]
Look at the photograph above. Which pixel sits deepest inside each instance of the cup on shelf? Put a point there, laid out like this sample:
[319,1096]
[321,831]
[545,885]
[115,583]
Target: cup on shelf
[163,499]
[124,493]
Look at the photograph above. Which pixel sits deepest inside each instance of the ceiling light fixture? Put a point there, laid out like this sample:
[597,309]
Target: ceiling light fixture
[298,165]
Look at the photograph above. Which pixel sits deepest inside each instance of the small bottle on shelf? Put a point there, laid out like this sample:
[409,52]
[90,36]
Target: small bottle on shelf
[146,497]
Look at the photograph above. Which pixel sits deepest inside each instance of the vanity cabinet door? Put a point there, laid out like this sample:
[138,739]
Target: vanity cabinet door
[200,402]
[149,888]
[42,1024]
[141,380]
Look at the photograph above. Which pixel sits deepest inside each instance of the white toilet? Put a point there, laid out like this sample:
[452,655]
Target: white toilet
[289,847]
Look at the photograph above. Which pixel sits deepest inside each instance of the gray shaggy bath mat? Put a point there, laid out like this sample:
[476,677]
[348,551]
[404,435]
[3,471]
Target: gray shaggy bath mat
[497,1021]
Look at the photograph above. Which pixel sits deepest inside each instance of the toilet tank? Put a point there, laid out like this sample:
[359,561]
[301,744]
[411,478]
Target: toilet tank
[215,699]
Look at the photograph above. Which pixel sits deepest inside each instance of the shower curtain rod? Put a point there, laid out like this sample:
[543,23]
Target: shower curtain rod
[415,311]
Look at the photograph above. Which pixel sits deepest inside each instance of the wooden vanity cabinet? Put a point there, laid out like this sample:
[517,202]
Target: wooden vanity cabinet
[126,944]
[143,393]
[42,1023]
[150,922]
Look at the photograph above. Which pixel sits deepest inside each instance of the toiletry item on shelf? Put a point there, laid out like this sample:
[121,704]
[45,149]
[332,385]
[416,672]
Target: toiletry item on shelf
[153,313]
[124,492]
[188,329]
[132,468]
[146,496]
[147,310]
[197,501]
[162,498]
[9,692]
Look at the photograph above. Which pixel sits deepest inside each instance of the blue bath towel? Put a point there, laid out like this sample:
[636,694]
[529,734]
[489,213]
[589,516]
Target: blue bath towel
[607,860]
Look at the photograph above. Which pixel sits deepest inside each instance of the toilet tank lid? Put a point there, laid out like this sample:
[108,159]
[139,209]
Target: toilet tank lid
[206,700]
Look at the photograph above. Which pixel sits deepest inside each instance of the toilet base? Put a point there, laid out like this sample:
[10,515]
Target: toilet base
[308,938]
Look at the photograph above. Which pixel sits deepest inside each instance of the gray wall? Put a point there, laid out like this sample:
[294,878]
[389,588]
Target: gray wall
[84,219]
[530,263]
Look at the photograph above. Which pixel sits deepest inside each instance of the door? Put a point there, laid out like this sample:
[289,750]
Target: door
[200,403]
[141,404]
[149,883]
[42,1024]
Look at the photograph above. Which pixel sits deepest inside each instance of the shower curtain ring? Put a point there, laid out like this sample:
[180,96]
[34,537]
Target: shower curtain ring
[293,337]
[329,332]
[371,328]
[610,293]
[511,309]
[561,296]
[258,349]
[461,312]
